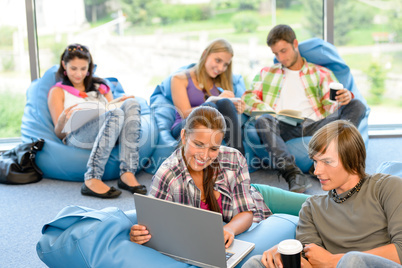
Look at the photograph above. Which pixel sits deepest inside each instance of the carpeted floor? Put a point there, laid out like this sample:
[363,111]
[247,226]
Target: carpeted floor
[26,208]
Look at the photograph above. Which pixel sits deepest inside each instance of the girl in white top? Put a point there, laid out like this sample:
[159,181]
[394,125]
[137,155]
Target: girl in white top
[100,135]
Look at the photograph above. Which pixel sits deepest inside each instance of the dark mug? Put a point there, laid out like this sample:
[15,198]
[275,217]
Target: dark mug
[290,250]
[333,88]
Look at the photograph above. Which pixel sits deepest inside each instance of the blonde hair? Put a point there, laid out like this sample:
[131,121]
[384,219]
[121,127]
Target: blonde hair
[224,80]
[350,145]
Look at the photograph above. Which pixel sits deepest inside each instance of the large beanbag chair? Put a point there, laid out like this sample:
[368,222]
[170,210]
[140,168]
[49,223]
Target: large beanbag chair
[84,237]
[391,168]
[320,52]
[59,161]
[164,112]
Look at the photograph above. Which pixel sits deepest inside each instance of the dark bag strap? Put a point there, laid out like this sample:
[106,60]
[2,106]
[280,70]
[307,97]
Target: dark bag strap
[36,146]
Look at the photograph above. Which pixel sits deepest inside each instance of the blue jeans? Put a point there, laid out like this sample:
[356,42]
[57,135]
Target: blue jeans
[365,260]
[350,259]
[121,126]
[233,137]
[254,262]
[274,133]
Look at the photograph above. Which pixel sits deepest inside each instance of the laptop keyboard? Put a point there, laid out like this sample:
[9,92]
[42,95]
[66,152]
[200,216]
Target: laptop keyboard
[228,255]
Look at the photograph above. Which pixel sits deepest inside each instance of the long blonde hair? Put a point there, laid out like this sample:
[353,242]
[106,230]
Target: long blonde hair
[224,80]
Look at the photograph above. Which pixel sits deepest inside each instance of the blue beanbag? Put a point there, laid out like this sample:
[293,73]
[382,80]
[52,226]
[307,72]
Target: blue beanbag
[320,52]
[83,237]
[391,168]
[59,161]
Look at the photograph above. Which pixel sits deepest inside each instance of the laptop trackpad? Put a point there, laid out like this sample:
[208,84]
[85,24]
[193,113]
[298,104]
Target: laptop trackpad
[238,250]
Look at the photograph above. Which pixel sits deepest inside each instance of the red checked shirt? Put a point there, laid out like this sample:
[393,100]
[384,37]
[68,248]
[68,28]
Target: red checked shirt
[173,182]
[267,86]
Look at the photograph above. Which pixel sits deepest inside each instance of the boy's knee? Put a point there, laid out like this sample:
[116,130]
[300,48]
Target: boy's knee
[264,121]
[351,259]
[253,262]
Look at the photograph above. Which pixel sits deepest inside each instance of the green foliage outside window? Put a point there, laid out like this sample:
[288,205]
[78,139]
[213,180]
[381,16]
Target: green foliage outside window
[11,111]
[245,22]
[248,4]
[6,36]
[376,75]
[168,13]
[140,12]
[348,15]
[395,16]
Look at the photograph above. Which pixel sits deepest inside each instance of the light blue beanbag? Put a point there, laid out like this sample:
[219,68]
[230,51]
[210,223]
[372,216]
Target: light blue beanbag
[391,168]
[83,237]
[59,161]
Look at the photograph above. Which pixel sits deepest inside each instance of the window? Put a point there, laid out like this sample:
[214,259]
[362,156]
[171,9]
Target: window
[14,67]
[141,50]
[142,41]
[368,35]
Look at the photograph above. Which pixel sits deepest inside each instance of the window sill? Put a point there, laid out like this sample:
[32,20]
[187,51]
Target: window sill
[380,131]
[8,143]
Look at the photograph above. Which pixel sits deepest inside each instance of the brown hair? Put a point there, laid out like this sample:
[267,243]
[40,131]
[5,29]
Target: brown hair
[281,32]
[224,80]
[350,145]
[210,118]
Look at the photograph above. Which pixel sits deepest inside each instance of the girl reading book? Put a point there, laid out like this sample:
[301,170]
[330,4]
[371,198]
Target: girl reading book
[122,125]
[211,76]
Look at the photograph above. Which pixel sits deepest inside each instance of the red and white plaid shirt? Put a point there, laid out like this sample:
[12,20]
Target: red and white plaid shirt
[173,182]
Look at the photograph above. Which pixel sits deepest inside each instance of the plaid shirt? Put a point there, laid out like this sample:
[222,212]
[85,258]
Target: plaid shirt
[173,182]
[266,88]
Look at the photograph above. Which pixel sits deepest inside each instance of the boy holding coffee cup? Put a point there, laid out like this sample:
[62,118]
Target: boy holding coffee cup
[295,84]
[361,212]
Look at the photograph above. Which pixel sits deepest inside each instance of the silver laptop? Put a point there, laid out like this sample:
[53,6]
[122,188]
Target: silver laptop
[188,234]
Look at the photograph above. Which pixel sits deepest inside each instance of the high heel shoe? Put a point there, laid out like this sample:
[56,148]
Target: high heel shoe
[140,189]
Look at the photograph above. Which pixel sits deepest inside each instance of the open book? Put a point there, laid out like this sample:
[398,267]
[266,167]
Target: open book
[88,111]
[214,99]
[289,116]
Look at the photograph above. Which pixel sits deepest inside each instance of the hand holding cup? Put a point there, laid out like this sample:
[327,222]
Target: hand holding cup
[290,250]
[333,89]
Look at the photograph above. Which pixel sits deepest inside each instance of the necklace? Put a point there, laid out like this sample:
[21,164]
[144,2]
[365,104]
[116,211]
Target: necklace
[355,189]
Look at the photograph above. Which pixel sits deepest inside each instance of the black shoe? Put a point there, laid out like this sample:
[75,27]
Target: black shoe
[299,183]
[112,193]
[139,189]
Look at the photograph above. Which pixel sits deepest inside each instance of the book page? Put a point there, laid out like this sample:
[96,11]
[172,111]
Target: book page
[291,113]
[86,111]
[214,99]
[115,103]
[261,112]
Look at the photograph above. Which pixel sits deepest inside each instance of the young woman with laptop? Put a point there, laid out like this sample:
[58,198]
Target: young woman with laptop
[202,173]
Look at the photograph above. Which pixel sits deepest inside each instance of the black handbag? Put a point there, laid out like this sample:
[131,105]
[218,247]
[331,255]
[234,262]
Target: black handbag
[17,166]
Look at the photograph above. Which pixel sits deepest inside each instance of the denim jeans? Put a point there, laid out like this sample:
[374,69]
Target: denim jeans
[233,123]
[351,259]
[254,262]
[121,126]
[274,133]
[365,260]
